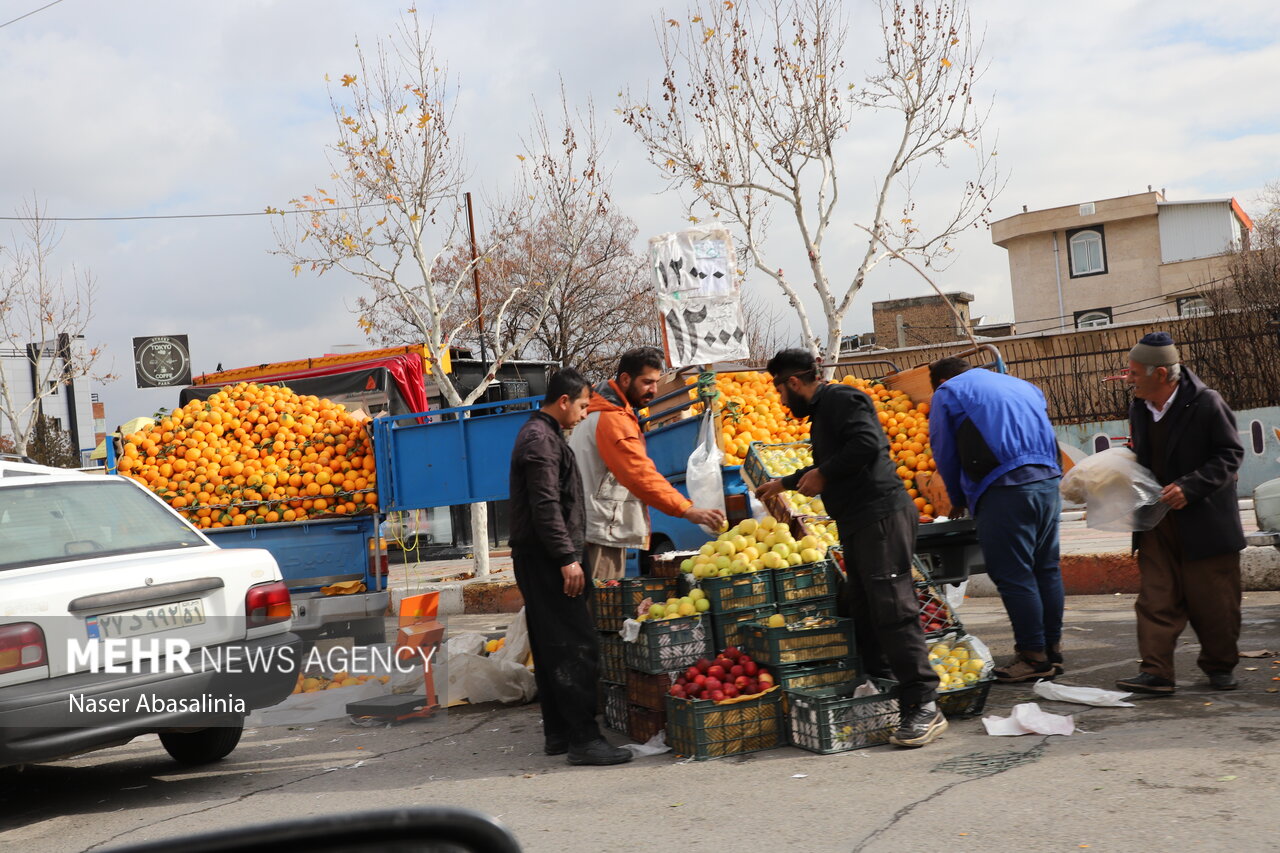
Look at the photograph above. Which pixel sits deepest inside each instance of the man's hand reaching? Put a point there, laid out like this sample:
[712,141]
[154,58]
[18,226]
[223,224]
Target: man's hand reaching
[712,519]
[574,579]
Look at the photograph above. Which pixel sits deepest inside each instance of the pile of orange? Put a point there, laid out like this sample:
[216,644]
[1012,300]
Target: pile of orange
[255,454]
[751,410]
[907,426]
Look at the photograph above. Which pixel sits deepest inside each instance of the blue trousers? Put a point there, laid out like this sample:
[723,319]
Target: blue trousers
[1018,531]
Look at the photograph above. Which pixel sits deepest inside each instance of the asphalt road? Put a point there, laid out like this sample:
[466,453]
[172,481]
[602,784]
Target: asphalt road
[1196,771]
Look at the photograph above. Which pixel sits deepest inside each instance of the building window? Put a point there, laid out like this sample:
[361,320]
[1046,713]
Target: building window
[1086,252]
[53,389]
[1194,306]
[1093,318]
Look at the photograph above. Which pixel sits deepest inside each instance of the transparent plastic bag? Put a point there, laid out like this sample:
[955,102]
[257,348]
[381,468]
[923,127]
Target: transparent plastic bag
[1119,495]
[704,475]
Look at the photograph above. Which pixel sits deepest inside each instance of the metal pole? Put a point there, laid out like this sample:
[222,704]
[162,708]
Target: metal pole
[475,276]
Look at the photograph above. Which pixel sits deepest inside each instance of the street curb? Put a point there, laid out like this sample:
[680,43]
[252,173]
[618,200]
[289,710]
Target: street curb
[1110,573]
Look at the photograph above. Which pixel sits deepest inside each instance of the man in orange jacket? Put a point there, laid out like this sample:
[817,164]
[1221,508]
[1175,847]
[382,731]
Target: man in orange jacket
[619,479]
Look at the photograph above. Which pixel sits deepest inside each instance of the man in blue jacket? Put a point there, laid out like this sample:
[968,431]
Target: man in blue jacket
[998,455]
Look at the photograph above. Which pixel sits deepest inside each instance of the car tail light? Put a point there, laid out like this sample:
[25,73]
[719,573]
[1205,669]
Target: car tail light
[21,647]
[266,604]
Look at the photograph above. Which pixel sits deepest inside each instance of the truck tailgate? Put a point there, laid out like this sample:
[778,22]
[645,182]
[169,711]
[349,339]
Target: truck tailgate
[312,553]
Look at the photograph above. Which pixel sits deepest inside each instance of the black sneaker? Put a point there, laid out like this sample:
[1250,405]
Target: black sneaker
[1223,681]
[598,753]
[919,726]
[1145,682]
[556,745]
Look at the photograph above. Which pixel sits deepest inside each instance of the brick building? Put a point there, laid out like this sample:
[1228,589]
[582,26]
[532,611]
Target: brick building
[920,320]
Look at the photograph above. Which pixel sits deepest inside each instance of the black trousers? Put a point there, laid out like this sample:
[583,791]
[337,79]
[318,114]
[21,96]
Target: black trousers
[566,651]
[881,600]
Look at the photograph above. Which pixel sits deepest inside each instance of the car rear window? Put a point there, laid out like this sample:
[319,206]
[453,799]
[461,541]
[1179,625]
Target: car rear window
[53,522]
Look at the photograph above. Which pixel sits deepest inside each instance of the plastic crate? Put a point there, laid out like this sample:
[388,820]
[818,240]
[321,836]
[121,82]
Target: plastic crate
[965,701]
[798,610]
[832,719]
[812,676]
[643,723]
[616,604]
[738,592]
[612,665]
[701,729]
[755,470]
[649,690]
[667,645]
[798,583]
[936,616]
[668,565]
[782,646]
[614,706]
[726,628]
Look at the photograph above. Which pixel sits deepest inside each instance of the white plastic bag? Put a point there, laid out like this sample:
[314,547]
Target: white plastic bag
[703,475]
[1119,495]
[1028,719]
[1082,695]
[499,677]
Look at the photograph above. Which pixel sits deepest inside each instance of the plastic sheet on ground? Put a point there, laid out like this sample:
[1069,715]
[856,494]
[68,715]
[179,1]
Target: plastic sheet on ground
[655,745]
[1082,695]
[499,677]
[1028,719]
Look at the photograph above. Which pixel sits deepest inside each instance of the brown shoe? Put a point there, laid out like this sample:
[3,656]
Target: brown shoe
[1025,667]
[1054,653]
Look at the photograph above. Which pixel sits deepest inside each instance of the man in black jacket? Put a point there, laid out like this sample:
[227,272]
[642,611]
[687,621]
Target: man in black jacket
[877,523]
[548,531]
[1189,564]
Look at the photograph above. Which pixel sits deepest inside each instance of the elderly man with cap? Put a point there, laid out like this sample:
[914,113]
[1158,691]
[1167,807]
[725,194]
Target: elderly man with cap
[1189,564]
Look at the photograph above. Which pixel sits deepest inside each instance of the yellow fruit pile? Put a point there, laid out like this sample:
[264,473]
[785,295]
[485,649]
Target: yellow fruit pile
[753,546]
[907,426]
[673,608]
[316,683]
[957,666]
[492,646]
[254,454]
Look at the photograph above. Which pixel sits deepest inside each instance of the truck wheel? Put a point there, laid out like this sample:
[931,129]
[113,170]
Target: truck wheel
[367,632]
[203,746]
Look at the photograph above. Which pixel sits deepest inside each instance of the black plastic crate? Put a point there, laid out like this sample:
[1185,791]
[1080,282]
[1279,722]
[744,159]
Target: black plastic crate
[649,690]
[936,616]
[701,729]
[667,645]
[616,604]
[614,706]
[726,628]
[831,719]
[643,723]
[798,610]
[782,646]
[812,676]
[965,701]
[801,583]
[612,665]
[738,592]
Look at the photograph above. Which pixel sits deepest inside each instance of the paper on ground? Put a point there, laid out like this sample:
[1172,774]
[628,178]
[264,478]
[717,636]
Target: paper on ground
[1028,719]
[1082,695]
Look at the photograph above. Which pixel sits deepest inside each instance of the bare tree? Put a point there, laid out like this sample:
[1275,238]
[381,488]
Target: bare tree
[396,213]
[755,104]
[44,316]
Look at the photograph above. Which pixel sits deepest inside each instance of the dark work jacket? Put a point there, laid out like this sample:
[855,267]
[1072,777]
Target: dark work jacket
[1202,455]
[547,515]
[852,452]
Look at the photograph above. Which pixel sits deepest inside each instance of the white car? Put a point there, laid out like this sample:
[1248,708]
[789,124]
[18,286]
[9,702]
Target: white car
[118,618]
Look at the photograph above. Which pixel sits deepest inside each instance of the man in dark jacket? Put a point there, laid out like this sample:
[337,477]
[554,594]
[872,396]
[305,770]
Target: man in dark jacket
[1189,564]
[877,523]
[998,456]
[547,537]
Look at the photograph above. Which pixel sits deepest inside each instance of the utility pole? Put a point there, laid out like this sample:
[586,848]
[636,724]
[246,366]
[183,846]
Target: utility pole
[475,277]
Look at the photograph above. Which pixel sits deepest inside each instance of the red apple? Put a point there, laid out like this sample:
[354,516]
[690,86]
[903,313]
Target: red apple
[700,680]
[736,670]
[677,691]
[731,653]
[691,673]
[730,692]
[750,668]
[716,671]
[712,683]
[752,688]
[703,665]
[741,681]
[765,679]
[716,695]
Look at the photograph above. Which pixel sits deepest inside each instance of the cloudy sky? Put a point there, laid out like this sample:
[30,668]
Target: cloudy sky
[153,109]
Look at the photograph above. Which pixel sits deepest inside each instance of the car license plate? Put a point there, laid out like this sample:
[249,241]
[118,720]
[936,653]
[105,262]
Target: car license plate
[147,620]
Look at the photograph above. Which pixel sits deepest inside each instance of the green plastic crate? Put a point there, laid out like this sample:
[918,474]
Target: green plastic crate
[812,676]
[831,719]
[800,583]
[667,645]
[726,628]
[614,605]
[701,729]
[782,646]
[798,610]
[754,469]
[738,592]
